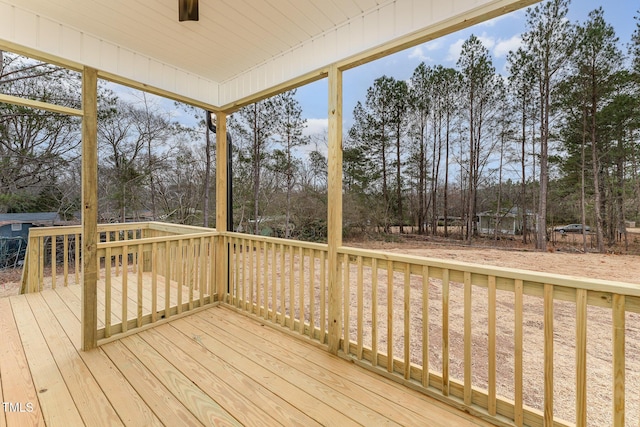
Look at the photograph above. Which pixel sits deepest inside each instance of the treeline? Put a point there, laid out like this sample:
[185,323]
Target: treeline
[555,140]
[449,143]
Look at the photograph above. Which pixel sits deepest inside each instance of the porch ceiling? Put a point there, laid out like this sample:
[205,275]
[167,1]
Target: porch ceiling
[239,48]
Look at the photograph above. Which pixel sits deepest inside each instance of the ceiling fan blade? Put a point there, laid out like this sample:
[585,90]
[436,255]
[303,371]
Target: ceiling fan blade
[188,10]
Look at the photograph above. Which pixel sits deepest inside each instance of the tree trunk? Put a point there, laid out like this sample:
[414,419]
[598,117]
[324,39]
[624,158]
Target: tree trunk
[256,171]
[596,175]
[207,176]
[541,241]
[399,177]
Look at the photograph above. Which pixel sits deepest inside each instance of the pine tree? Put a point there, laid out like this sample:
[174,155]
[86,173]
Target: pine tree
[550,43]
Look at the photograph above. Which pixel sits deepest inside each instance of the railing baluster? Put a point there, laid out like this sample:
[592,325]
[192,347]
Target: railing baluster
[467,338]
[407,321]
[323,298]
[265,280]
[491,405]
[274,286]
[65,262]
[140,268]
[346,291]
[54,261]
[618,312]
[360,291]
[292,288]
[76,260]
[41,259]
[258,276]
[154,282]
[213,291]
[581,357]
[518,377]
[167,280]
[192,270]
[301,299]
[312,296]
[389,316]
[107,293]
[251,253]
[235,277]
[548,354]
[374,312]
[180,270]
[125,286]
[203,270]
[283,305]
[445,332]
[116,238]
[425,326]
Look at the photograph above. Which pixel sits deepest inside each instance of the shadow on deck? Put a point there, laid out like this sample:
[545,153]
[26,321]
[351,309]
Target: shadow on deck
[212,367]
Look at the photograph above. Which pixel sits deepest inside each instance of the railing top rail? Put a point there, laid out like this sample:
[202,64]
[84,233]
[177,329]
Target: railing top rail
[77,229]
[151,240]
[177,228]
[575,282]
[119,226]
[297,243]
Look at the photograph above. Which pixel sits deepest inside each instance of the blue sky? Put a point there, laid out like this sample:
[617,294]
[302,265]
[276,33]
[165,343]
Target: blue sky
[499,35]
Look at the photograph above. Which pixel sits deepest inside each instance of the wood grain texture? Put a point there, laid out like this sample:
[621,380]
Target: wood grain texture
[54,397]
[334,216]
[15,378]
[548,354]
[89,207]
[618,311]
[211,367]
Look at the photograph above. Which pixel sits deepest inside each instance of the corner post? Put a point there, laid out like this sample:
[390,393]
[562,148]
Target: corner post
[334,219]
[89,314]
[221,253]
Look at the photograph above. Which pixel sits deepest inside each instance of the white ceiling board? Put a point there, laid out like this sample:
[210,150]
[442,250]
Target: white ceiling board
[237,49]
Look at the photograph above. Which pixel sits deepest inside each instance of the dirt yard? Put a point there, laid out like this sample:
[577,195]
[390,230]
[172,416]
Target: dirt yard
[624,268]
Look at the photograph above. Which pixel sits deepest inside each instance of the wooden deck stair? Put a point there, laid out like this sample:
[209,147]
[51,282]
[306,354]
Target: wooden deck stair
[212,367]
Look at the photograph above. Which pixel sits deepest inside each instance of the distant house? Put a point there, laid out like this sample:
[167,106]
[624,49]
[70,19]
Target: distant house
[506,222]
[14,233]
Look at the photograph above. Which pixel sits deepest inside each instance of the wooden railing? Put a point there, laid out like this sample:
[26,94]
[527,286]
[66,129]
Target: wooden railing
[512,346]
[148,280]
[148,272]
[54,253]
[282,281]
[489,338]
[492,341]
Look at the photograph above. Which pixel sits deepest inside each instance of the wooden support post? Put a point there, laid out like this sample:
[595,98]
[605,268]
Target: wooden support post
[89,208]
[334,219]
[221,253]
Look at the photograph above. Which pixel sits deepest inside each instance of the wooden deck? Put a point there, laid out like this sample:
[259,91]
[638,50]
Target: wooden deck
[212,367]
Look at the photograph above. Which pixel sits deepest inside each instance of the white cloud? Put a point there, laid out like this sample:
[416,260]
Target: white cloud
[503,47]
[488,41]
[417,53]
[454,50]
[433,44]
[316,126]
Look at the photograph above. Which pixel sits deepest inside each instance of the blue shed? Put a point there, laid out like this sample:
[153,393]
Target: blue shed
[14,234]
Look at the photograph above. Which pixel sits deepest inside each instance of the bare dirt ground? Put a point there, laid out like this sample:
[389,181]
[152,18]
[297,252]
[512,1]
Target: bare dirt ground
[624,268]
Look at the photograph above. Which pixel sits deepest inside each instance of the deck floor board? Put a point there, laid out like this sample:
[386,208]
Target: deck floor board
[212,367]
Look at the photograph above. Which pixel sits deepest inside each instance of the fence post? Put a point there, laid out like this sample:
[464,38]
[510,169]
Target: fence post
[89,299]
[221,251]
[334,218]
